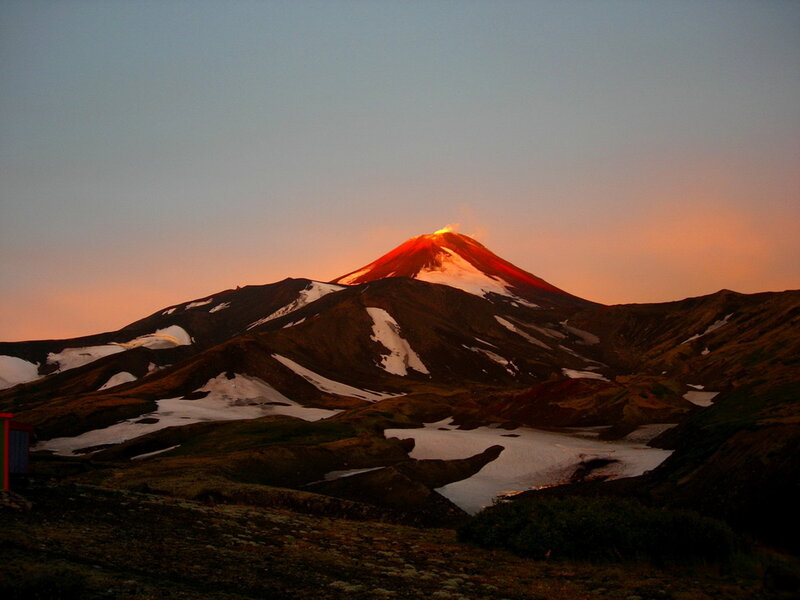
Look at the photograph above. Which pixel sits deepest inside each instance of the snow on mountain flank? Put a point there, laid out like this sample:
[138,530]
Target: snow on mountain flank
[199,303]
[459,273]
[169,337]
[574,374]
[118,379]
[313,292]
[519,332]
[506,364]
[14,370]
[710,329]
[71,358]
[154,453]
[700,398]
[556,457]
[323,384]
[386,332]
[220,306]
[587,337]
[242,397]
[458,261]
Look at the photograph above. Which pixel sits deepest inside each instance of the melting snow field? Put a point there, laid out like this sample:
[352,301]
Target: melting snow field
[313,292]
[530,458]
[329,386]
[242,397]
[401,357]
[15,370]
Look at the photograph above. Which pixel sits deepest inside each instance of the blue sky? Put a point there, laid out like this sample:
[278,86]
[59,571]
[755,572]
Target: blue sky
[153,152]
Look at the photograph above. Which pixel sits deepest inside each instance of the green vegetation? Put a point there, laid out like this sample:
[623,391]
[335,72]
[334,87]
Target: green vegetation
[600,530]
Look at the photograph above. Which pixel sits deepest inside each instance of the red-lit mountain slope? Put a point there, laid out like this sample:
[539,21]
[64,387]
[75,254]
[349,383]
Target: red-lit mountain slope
[459,261]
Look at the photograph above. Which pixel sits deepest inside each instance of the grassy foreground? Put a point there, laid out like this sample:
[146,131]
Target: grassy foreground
[88,542]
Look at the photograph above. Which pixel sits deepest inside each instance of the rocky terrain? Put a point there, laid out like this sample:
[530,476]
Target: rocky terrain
[392,402]
[86,542]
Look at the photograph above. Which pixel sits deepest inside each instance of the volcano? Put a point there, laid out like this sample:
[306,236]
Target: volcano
[457,260]
[417,387]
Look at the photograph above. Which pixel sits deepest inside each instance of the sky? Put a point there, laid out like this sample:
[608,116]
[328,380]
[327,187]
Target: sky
[154,152]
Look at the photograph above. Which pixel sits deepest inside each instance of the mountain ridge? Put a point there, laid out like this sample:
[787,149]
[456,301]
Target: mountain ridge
[286,383]
[458,260]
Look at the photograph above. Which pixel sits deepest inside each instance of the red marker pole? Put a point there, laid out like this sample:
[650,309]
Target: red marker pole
[5,434]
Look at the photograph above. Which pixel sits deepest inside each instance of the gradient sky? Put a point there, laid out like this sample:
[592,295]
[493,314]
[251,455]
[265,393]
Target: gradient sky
[153,152]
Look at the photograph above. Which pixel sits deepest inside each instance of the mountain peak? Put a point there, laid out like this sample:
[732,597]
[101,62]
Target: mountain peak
[457,260]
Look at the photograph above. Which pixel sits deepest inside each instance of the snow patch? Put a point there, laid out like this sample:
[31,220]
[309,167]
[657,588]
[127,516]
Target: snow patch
[242,397]
[199,303]
[154,453]
[169,311]
[331,475]
[587,337]
[15,370]
[220,306]
[293,323]
[507,364]
[456,272]
[701,398]
[118,379]
[71,358]
[169,337]
[574,374]
[710,329]
[526,336]
[323,384]
[386,332]
[534,458]
[312,292]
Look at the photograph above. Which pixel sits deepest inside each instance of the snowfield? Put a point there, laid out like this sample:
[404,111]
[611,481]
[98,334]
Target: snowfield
[15,370]
[71,358]
[329,386]
[242,397]
[386,332]
[313,292]
[531,458]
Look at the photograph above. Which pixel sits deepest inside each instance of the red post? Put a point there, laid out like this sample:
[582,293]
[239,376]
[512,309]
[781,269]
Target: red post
[5,434]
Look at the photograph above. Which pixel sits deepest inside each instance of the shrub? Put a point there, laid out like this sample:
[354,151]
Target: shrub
[602,529]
